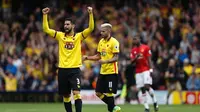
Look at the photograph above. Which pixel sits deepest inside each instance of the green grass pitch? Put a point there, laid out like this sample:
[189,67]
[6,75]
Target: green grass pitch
[58,107]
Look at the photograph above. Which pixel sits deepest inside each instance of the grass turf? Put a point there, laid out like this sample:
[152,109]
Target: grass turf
[58,107]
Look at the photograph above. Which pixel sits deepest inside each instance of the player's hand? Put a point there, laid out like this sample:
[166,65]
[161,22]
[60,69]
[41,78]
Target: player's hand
[89,10]
[138,56]
[151,72]
[45,10]
[1,70]
[102,62]
[84,58]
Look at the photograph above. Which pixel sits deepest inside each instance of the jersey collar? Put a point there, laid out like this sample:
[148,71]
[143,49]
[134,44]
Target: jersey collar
[108,39]
[73,34]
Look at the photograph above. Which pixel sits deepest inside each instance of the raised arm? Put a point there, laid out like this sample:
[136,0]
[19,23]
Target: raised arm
[90,28]
[45,23]
[2,73]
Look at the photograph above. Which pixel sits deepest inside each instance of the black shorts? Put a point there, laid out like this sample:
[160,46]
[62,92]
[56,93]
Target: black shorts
[107,83]
[68,79]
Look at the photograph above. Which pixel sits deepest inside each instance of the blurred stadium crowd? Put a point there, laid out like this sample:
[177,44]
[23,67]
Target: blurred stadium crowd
[28,57]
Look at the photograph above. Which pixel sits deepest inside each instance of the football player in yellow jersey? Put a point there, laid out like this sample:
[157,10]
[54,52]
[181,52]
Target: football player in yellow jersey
[70,58]
[107,56]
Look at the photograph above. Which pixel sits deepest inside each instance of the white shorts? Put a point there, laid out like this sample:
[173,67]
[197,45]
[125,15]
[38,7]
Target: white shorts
[143,78]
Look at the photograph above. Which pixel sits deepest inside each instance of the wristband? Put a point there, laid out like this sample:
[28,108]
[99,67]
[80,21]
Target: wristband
[151,70]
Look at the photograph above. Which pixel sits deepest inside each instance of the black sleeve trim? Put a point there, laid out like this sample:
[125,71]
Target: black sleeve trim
[83,35]
[55,34]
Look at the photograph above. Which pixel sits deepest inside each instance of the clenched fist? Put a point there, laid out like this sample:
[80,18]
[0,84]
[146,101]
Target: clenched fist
[45,10]
[89,10]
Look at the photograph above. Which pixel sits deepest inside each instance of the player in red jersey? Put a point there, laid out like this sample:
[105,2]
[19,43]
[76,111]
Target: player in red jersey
[141,56]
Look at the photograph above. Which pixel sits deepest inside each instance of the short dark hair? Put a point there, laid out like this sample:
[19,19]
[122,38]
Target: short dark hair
[136,36]
[71,20]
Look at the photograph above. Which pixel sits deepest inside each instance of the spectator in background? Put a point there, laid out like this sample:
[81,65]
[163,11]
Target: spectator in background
[85,80]
[10,67]
[197,67]
[172,40]
[187,67]
[21,83]
[196,42]
[28,80]
[35,83]
[171,76]
[10,81]
[17,62]
[37,71]
[7,7]
[186,72]
[128,77]
[181,56]
[185,45]
[193,83]
[195,56]
[51,82]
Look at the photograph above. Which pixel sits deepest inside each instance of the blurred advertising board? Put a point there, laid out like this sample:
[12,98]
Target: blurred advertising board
[89,97]
[189,97]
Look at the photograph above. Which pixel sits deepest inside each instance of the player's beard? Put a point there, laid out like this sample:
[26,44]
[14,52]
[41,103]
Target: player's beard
[139,43]
[68,30]
[136,43]
[104,36]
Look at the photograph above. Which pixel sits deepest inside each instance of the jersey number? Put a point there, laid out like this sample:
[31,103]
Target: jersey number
[78,81]
[110,84]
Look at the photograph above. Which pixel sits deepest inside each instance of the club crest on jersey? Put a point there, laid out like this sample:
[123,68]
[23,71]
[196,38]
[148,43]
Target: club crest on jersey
[69,45]
[103,53]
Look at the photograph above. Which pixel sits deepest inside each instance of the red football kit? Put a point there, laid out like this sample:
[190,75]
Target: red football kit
[142,63]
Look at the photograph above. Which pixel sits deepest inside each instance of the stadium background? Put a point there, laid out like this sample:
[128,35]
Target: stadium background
[170,27]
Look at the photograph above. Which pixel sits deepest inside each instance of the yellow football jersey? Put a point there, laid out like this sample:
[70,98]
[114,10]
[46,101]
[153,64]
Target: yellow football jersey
[69,50]
[107,49]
